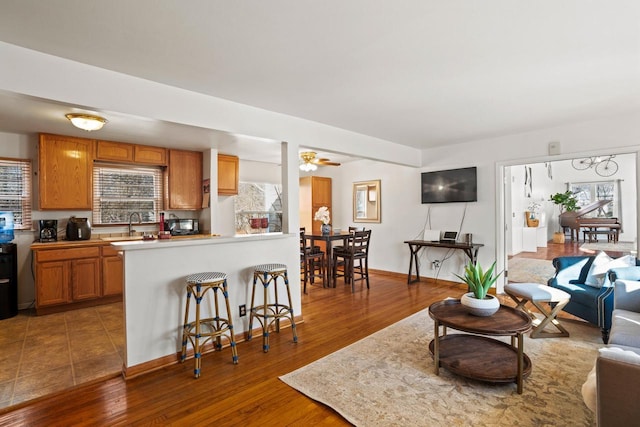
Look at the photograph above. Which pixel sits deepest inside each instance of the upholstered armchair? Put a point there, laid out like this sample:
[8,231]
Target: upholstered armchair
[613,385]
[589,279]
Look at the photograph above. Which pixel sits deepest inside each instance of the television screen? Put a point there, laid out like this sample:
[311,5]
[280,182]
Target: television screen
[454,185]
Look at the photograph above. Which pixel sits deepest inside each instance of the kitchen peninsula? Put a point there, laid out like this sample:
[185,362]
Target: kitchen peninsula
[155,292]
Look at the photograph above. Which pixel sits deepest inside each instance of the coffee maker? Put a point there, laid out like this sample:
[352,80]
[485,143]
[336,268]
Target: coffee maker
[48,230]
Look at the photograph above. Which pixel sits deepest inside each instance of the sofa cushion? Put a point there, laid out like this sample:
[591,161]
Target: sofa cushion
[625,328]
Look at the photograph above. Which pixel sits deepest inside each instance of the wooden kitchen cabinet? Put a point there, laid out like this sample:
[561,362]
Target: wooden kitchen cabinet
[228,175]
[315,192]
[116,151]
[149,155]
[65,172]
[112,272]
[131,153]
[70,275]
[184,180]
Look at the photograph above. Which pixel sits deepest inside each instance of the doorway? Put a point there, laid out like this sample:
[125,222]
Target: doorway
[526,194]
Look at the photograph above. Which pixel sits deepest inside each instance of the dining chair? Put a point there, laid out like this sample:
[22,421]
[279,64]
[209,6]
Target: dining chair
[351,231]
[357,249]
[311,261]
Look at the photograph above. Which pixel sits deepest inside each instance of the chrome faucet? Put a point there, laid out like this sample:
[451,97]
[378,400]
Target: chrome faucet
[131,218]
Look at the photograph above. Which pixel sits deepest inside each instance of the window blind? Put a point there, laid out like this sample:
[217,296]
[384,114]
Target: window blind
[15,191]
[120,190]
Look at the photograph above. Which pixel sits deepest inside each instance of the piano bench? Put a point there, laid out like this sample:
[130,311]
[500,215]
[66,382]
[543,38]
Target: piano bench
[592,235]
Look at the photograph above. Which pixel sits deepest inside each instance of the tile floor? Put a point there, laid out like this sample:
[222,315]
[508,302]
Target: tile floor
[45,354]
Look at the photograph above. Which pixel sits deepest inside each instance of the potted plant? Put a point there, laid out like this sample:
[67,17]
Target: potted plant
[566,202]
[478,302]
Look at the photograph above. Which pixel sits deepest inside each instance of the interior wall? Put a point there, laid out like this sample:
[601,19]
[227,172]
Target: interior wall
[404,217]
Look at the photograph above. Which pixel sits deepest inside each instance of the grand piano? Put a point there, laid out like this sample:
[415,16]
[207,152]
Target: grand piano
[576,219]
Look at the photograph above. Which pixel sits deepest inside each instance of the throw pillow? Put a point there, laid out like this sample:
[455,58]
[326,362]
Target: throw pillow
[599,272]
[595,277]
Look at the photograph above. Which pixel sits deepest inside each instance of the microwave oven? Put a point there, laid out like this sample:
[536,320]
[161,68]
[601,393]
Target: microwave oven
[182,227]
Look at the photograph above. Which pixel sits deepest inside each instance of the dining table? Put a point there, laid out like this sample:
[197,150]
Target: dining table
[328,239]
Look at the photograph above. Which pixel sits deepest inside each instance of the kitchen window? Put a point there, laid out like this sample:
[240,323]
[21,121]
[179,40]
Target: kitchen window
[15,191]
[118,191]
[258,208]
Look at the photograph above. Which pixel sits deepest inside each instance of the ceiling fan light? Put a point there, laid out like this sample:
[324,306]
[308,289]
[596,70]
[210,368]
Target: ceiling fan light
[308,167]
[86,122]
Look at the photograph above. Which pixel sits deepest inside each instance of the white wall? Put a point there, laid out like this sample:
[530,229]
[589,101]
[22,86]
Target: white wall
[403,215]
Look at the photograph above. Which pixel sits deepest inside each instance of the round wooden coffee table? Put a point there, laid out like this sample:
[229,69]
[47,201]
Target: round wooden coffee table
[478,356]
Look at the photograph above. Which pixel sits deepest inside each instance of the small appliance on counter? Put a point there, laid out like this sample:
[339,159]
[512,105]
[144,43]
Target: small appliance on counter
[78,229]
[182,227]
[48,230]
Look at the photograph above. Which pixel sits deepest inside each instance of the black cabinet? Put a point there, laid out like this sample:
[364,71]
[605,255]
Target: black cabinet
[8,280]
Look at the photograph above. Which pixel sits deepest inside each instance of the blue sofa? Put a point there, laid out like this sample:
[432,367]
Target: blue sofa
[593,304]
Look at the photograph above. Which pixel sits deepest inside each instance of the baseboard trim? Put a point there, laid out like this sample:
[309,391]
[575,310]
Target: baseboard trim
[172,359]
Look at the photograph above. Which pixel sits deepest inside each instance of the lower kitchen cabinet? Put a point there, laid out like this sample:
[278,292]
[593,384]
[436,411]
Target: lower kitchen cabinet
[112,272]
[71,277]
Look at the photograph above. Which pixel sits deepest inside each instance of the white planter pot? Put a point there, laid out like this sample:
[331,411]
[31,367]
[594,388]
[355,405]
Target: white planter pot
[480,307]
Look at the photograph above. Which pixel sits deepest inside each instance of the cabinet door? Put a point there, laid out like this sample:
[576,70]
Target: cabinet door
[119,151]
[85,279]
[228,168]
[112,276]
[65,172]
[321,188]
[185,180]
[150,155]
[52,283]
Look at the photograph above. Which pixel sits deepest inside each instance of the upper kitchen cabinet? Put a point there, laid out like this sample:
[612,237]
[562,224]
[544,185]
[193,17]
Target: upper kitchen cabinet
[150,155]
[131,153]
[184,180]
[65,168]
[228,168]
[116,151]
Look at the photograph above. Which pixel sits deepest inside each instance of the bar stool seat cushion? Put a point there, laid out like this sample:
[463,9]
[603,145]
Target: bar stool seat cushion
[270,268]
[206,277]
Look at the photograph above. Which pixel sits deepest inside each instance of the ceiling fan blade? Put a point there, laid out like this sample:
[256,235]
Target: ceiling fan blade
[327,163]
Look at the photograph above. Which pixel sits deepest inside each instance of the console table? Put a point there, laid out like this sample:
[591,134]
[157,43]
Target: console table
[470,249]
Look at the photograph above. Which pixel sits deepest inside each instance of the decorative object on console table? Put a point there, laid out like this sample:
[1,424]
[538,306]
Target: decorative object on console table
[531,214]
[477,301]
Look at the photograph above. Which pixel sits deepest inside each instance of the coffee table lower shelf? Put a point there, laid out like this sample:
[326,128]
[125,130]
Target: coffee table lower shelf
[481,358]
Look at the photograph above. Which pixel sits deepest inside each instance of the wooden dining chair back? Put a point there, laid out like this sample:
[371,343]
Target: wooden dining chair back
[351,231]
[311,261]
[357,249]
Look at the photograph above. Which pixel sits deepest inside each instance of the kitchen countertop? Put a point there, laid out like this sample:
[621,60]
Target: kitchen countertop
[178,241]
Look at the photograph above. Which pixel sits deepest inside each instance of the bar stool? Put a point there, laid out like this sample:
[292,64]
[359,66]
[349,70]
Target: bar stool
[199,284]
[270,313]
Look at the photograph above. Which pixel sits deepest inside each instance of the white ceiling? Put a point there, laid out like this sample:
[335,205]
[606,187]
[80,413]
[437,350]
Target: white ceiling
[421,73]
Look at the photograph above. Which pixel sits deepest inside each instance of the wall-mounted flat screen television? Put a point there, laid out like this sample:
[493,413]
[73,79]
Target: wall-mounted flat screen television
[453,185]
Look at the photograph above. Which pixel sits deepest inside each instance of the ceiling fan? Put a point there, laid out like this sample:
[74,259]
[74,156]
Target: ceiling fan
[309,162]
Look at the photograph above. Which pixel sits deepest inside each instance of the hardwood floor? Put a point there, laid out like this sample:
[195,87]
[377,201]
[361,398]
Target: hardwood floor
[249,393]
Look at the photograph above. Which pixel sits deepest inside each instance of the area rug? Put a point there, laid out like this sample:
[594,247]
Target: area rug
[625,247]
[528,270]
[388,379]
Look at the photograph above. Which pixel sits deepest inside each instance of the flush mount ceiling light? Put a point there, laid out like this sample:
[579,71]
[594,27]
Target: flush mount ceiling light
[86,122]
